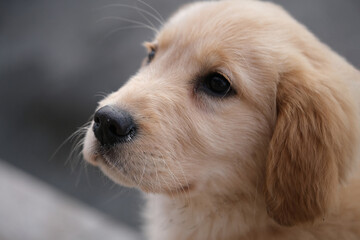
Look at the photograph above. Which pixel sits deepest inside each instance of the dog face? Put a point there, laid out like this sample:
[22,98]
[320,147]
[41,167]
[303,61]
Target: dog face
[227,104]
[195,109]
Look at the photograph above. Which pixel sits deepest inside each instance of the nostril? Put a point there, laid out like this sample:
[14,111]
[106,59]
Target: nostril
[113,129]
[122,127]
[96,119]
[113,126]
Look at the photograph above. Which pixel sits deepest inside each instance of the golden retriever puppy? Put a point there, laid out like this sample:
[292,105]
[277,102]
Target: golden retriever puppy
[240,125]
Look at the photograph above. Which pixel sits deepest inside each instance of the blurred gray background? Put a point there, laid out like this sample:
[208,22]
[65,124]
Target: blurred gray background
[58,58]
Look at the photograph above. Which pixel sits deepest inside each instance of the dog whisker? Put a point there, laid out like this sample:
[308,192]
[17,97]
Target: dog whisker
[74,134]
[77,139]
[154,10]
[123,19]
[157,177]
[116,30]
[77,182]
[142,175]
[185,178]
[174,177]
[101,95]
[138,9]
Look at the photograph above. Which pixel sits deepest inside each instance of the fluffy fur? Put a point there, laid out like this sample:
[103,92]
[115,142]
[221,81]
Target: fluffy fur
[273,161]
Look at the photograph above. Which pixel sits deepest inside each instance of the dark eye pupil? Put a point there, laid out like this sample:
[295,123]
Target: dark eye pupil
[218,84]
[151,55]
[215,85]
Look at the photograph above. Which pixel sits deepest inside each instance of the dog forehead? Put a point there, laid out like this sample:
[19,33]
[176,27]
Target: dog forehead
[200,31]
[192,23]
[218,20]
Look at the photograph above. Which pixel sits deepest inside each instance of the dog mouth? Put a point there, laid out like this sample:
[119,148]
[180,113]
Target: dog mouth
[137,167]
[98,155]
[119,170]
[107,156]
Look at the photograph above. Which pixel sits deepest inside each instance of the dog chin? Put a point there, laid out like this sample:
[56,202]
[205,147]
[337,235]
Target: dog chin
[118,176]
[114,173]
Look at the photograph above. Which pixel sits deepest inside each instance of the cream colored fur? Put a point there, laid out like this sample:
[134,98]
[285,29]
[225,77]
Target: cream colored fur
[278,160]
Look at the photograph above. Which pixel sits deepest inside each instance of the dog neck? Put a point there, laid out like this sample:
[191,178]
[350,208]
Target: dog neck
[203,216]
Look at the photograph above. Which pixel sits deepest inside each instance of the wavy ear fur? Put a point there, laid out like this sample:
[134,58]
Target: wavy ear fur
[311,148]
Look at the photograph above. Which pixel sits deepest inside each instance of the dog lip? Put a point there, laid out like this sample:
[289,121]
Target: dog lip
[113,162]
[94,159]
[102,160]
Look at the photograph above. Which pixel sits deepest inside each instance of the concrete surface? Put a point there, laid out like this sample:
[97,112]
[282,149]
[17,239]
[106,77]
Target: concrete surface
[32,210]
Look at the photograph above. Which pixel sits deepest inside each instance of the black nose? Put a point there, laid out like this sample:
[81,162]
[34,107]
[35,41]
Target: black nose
[112,126]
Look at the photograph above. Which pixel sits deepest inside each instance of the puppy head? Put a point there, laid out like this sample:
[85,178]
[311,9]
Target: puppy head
[227,101]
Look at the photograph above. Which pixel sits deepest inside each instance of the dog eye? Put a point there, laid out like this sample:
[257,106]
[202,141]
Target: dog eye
[215,84]
[151,55]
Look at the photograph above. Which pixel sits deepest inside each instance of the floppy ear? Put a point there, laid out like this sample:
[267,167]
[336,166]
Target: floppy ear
[311,147]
